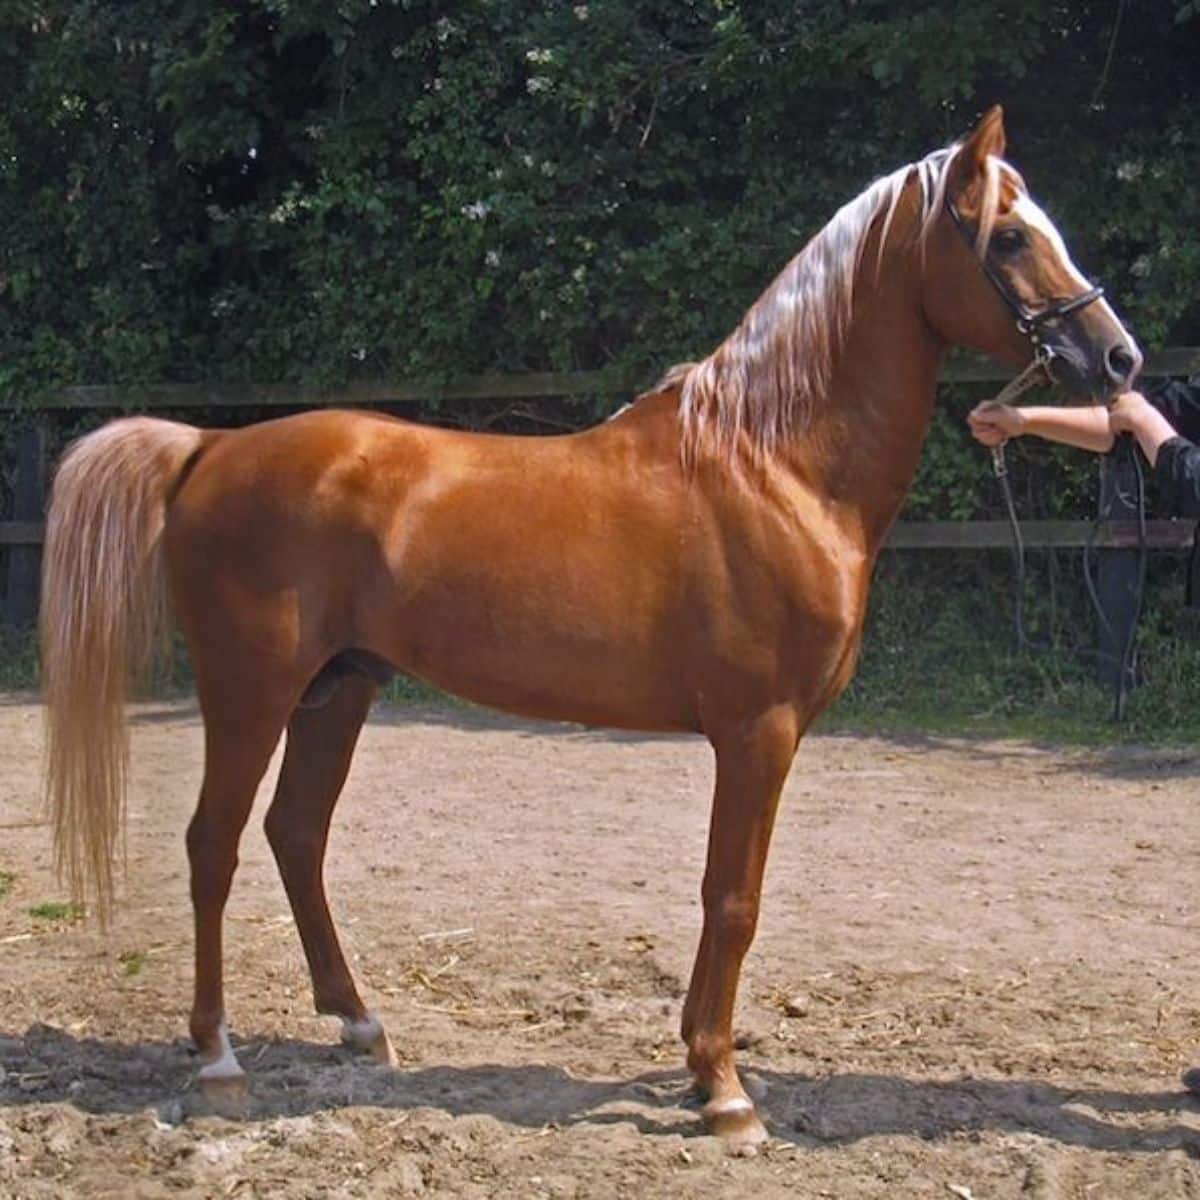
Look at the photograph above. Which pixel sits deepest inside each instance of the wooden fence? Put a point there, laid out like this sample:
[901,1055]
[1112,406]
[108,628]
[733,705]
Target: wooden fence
[21,536]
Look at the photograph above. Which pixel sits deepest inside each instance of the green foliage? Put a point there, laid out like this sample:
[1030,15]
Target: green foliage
[939,654]
[404,689]
[954,480]
[7,879]
[18,659]
[282,188]
[287,189]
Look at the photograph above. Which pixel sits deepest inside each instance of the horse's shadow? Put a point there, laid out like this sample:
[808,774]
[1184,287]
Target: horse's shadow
[291,1078]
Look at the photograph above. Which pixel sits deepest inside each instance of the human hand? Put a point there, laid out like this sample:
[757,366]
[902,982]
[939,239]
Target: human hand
[1126,411]
[993,424]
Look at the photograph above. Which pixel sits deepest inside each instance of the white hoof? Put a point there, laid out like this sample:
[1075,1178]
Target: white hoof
[369,1037]
[223,1082]
[736,1123]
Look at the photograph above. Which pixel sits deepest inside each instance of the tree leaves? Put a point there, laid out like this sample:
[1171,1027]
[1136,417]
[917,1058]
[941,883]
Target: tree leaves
[294,189]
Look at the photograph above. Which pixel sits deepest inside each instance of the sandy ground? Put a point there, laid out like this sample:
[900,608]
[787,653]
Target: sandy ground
[974,977]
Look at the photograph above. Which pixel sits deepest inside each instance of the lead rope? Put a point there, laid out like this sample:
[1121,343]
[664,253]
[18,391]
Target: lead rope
[1035,374]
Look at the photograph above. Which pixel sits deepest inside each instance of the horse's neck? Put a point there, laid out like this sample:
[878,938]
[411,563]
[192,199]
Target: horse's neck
[862,448]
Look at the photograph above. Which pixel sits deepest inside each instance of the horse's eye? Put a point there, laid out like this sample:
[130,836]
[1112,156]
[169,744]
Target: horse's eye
[1009,241]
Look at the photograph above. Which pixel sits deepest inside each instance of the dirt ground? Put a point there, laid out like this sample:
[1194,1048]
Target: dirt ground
[974,977]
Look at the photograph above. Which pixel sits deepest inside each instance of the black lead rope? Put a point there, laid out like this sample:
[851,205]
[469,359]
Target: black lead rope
[1034,375]
[1128,656]
[1000,470]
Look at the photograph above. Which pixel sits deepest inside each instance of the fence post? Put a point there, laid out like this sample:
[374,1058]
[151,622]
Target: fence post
[1117,572]
[29,503]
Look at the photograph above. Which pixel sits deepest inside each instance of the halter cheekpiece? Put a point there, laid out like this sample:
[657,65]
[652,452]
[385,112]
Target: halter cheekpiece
[1029,322]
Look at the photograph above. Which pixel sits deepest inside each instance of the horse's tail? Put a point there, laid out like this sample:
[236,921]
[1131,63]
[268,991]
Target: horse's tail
[103,623]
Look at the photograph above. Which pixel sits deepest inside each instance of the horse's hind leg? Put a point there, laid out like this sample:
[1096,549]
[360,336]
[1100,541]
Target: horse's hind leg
[241,730]
[320,743]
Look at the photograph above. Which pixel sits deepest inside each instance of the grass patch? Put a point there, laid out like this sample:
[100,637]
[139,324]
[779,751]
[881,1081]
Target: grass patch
[7,879]
[404,689]
[57,910]
[939,656]
[132,961]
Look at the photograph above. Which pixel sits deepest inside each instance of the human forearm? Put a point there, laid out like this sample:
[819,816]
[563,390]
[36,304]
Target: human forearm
[1089,427]
[1085,427]
[1094,427]
[1152,430]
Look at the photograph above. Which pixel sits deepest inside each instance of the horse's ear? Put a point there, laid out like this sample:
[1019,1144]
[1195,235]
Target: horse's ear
[970,163]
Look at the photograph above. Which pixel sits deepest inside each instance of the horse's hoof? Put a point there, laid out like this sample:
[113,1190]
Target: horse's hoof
[227,1095]
[222,1081]
[368,1036]
[381,1050]
[736,1123]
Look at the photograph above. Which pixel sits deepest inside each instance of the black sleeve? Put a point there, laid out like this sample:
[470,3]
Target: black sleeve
[1177,475]
[1179,401]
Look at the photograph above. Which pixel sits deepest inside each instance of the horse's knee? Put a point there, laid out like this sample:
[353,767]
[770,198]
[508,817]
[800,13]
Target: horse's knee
[732,919]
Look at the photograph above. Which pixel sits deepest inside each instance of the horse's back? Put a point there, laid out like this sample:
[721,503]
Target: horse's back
[476,561]
[335,473]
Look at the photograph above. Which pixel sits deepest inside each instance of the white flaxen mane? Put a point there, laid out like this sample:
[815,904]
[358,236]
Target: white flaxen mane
[766,378]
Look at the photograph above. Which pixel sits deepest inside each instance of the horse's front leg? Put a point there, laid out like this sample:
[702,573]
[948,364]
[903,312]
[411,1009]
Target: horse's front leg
[752,763]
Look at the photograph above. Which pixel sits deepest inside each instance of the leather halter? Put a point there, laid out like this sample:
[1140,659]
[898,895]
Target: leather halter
[1029,322]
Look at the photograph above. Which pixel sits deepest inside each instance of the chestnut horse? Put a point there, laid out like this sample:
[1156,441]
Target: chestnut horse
[699,562]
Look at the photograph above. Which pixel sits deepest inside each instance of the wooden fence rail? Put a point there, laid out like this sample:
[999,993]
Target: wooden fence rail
[1177,360]
[21,538]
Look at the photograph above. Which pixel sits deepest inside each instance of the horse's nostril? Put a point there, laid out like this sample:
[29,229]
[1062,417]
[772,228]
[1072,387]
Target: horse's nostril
[1120,363]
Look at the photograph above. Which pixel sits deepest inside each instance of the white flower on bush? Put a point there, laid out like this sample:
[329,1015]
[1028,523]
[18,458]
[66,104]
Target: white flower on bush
[476,211]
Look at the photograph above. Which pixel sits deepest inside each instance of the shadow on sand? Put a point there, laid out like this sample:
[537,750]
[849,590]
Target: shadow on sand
[291,1078]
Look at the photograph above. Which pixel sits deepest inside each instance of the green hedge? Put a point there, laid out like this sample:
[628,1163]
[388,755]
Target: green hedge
[294,189]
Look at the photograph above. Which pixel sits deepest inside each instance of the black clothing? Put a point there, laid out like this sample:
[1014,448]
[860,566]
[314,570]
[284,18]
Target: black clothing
[1177,468]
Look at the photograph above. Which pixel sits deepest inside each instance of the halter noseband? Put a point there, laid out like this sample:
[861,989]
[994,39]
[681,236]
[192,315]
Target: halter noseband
[1030,323]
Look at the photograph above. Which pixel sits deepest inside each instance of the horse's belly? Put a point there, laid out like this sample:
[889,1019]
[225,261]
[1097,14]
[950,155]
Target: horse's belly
[564,700]
[589,668]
